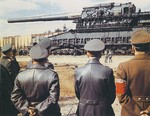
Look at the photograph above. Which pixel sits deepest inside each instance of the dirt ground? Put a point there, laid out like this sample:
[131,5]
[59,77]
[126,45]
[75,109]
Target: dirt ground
[65,66]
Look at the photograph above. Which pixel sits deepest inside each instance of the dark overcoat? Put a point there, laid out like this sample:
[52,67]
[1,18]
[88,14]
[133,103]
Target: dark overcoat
[12,66]
[136,74]
[6,106]
[38,87]
[95,89]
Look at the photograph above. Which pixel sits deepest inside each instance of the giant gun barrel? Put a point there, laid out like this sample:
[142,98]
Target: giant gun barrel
[42,18]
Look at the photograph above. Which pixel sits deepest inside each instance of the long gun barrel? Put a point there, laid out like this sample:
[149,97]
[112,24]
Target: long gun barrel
[43,18]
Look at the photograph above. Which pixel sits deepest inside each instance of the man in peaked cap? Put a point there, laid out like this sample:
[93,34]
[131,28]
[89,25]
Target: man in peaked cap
[39,85]
[6,48]
[12,67]
[9,63]
[46,43]
[94,84]
[38,52]
[133,78]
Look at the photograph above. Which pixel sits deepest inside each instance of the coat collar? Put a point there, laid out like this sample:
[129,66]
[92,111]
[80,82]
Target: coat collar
[141,57]
[37,66]
[93,61]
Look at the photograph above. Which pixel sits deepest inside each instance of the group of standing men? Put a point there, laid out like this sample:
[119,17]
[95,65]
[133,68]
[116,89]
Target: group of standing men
[36,90]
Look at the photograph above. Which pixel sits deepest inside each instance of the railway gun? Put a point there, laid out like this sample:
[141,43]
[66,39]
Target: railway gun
[110,22]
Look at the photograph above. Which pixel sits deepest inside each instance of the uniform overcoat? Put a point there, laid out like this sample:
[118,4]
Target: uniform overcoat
[95,89]
[6,106]
[12,66]
[37,87]
[136,74]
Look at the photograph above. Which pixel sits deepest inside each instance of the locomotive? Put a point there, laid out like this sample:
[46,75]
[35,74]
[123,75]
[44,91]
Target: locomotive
[112,23]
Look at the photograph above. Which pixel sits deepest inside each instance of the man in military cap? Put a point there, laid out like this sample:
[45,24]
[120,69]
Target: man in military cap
[9,63]
[36,91]
[46,43]
[133,78]
[94,83]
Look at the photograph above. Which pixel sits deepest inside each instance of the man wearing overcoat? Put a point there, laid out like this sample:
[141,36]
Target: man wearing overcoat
[94,84]
[9,63]
[36,91]
[133,78]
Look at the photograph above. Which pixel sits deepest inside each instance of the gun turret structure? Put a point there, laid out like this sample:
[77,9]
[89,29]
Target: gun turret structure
[112,23]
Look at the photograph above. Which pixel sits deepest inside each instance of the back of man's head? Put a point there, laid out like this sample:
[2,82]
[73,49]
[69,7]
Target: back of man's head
[38,53]
[94,47]
[6,49]
[141,40]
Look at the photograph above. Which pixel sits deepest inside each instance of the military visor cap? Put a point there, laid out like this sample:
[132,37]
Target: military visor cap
[6,47]
[38,52]
[94,45]
[140,37]
[46,43]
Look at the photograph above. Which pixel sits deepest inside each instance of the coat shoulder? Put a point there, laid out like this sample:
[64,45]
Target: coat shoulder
[126,63]
[80,69]
[107,68]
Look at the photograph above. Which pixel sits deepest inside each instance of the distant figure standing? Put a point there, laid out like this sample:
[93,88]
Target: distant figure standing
[20,51]
[94,84]
[106,56]
[133,78]
[139,11]
[36,91]
[109,56]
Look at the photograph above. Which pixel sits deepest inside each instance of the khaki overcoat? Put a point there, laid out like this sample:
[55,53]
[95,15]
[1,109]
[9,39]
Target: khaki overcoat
[133,85]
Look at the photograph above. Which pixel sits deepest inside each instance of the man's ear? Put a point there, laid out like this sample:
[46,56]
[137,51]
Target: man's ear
[88,54]
[133,49]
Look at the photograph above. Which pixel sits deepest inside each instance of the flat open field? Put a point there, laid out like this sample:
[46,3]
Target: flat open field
[65,65]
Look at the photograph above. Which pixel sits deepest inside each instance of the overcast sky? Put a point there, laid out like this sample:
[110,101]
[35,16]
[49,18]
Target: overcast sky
[29,8]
